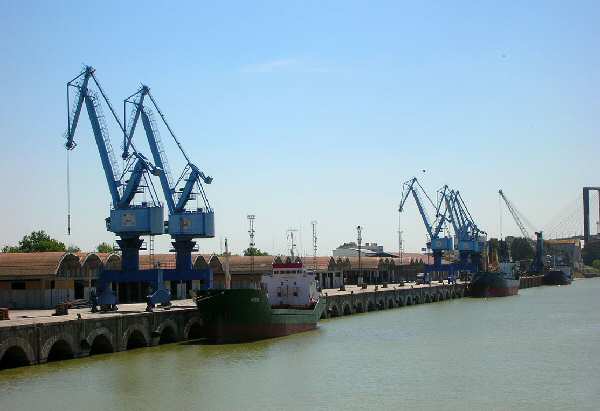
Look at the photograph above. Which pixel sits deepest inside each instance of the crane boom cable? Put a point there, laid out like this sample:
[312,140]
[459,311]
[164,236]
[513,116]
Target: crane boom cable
[516,216]
[164,119]
[112,110]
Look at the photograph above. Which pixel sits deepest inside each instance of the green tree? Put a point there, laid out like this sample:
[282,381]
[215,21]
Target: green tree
[521,249]
[73,249]
[596,264]
[591,252]
[104,247]
[37,241]
[254,251]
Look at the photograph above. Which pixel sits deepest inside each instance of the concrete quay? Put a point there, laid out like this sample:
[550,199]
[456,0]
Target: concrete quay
[35,336]
[531,281]
[354,299]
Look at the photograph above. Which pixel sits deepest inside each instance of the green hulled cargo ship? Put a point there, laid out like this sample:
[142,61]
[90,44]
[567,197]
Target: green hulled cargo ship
[287,303]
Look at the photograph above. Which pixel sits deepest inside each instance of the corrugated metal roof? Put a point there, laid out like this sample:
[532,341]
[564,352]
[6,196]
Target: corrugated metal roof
[48,264]
[367,263]
[323,263]
[243,264]
[406,257]
[165,260]
[572,241]
[32,264]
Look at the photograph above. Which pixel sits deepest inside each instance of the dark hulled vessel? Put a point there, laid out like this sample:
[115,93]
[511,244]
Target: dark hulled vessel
[558,276]
[287,303]
[500,283]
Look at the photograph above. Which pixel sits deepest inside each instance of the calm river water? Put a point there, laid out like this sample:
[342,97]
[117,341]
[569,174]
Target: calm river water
[539,350]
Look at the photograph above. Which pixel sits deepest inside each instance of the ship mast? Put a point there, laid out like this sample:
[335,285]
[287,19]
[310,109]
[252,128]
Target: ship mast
[252,245]
[227,272]
[290,233]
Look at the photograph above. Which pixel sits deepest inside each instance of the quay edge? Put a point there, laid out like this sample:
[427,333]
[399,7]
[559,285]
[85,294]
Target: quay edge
[355,300]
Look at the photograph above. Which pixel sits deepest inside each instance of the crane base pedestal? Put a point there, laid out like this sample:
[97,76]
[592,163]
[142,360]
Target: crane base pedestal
[108,300]
[449,270]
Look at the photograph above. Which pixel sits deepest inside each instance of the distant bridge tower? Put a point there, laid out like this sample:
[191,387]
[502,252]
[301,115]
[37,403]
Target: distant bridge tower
[586,210]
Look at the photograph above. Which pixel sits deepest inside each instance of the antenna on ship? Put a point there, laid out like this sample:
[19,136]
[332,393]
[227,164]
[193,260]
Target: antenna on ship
[314,239]
[290,235]
[227,271]
[252,246]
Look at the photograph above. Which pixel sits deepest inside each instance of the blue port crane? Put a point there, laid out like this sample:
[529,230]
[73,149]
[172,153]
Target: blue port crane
[437,241]
[127,220]
[185,222]
[470,239]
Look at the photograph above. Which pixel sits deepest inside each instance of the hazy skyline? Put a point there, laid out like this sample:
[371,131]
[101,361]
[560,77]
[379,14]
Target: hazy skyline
[308,111]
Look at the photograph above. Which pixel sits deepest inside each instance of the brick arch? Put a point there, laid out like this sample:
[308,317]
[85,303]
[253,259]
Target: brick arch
[165,323]
[215,264]
[189,324]
[99,331]
[346,310]
[359,307]
[112,262]
[334,311]
[47,346]
[127,333]
[68,266]
[18,342]
[200,263]
[168,323]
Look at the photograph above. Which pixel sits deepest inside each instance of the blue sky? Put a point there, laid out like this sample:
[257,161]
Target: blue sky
[310,110]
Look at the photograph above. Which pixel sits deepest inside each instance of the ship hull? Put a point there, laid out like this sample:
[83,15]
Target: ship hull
[556,277]
[241,315]
[493,285]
